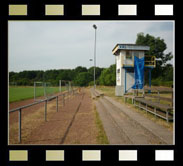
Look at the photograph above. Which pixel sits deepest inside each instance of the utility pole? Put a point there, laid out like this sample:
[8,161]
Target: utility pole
[95,27]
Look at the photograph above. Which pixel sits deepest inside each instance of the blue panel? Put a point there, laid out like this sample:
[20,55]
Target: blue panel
[139,73]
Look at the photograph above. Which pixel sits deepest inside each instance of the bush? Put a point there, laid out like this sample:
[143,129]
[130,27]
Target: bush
[83,79]
[161,82]
[108,76]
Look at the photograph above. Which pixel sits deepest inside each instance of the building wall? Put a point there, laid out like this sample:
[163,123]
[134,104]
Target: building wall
[130,76]
[118,68]
[130,80]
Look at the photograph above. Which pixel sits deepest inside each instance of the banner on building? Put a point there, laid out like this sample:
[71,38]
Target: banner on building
[139,73]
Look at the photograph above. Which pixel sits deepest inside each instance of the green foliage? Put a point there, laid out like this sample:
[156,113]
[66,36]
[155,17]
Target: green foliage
[83,79]
[98,71]
[108,76]
[157,48]
[22,93]
[80,69]
[27,78]
[160,82]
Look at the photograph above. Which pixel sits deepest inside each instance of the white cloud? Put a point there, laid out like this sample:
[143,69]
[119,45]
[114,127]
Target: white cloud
[41,45]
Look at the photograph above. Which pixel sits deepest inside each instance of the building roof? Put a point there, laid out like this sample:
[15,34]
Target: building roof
[130,47]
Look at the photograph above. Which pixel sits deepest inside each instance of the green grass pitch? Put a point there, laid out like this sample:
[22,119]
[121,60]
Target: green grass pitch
[19,93]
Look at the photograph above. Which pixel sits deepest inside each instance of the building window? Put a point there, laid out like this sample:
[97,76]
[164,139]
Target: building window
[129,55]
[118,70]
[136,53]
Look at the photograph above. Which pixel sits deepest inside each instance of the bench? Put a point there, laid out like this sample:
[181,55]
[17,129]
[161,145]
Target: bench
[96,94]
[99,93]
[129,97]
[160,110]
[93,94]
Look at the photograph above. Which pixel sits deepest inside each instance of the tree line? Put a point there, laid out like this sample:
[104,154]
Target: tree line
[82,76]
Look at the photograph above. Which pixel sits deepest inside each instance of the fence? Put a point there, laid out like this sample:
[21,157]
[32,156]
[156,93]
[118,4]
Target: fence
[157,91]
[149,99]
[19,109]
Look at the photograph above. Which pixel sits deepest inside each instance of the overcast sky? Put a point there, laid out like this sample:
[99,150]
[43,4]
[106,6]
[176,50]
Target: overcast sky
[43,45]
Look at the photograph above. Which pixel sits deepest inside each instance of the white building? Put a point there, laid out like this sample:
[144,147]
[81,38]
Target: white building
[124,54]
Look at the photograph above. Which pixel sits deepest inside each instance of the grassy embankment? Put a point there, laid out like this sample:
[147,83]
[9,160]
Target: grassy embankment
[110,91]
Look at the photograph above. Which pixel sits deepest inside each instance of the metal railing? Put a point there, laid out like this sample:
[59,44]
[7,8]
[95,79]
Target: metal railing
[150,61]
[19,109]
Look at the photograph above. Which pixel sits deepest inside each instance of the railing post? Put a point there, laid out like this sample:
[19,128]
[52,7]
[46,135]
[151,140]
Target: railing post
[63,96]
[167,116]
[155,111]
[45,111]
[57,102]
[20,125]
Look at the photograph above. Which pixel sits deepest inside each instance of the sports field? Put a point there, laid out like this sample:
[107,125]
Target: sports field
[18,93]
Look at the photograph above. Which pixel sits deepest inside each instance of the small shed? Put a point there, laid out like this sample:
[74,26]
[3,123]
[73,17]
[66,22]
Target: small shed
[125,58]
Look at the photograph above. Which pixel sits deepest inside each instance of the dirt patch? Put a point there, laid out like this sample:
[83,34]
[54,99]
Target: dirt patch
[83,130]
[13,117]
[74,123]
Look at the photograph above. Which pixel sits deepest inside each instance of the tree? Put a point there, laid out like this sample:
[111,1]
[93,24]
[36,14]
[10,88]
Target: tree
[80,69]
[157,48]
[108,76]
[168,72]
[98,71]
[83,79]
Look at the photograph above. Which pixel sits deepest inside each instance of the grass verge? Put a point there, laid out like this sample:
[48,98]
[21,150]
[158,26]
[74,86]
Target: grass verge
[101,136]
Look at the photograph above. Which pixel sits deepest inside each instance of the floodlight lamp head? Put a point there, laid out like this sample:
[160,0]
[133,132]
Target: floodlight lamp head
[94,26]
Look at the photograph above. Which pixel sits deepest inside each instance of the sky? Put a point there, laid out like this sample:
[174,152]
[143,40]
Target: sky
[44,45]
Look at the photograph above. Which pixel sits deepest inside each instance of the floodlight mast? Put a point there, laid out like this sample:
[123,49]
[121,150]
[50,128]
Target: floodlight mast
[95,27]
